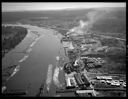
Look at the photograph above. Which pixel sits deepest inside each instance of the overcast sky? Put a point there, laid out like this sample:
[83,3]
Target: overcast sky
[55,6]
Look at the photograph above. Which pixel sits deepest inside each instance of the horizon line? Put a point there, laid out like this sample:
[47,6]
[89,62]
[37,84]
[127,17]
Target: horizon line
[59,9]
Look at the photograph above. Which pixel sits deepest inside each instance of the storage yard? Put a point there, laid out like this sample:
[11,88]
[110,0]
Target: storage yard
[79,79]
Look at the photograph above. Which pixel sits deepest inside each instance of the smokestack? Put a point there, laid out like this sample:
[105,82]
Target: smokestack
[81,29]
[82,24]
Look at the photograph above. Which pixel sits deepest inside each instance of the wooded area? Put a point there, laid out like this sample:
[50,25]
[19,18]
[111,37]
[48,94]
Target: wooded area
[11,37]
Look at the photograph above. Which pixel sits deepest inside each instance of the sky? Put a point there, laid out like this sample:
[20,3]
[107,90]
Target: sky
[24,6]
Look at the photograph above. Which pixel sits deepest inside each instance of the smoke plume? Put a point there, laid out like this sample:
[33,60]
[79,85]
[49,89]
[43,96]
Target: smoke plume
[93,17]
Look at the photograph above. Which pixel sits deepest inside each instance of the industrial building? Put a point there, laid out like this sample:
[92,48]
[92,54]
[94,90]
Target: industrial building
[81,80]
[104,77]
[87,93]
[70,82]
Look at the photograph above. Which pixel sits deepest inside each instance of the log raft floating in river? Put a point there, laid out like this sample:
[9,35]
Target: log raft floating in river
[56,73]
[49,76]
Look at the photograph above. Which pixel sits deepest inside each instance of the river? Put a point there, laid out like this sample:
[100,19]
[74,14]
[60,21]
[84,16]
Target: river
[33,59]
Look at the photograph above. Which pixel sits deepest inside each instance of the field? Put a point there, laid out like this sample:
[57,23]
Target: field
[108,21]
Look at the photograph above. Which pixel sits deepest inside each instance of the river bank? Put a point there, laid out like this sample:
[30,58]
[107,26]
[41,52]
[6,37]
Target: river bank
[33,55]
[11,37]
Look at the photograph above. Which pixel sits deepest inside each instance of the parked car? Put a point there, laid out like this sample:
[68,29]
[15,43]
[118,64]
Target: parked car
[102,81]
[112,83]
[115,83]
[108,82]
[121,81]
[124,84]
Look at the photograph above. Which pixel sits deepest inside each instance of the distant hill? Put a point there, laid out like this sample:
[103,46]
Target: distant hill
[15,16]
[112,19]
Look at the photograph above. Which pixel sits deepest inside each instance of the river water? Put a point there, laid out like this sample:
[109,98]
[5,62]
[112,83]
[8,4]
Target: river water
[33,68]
